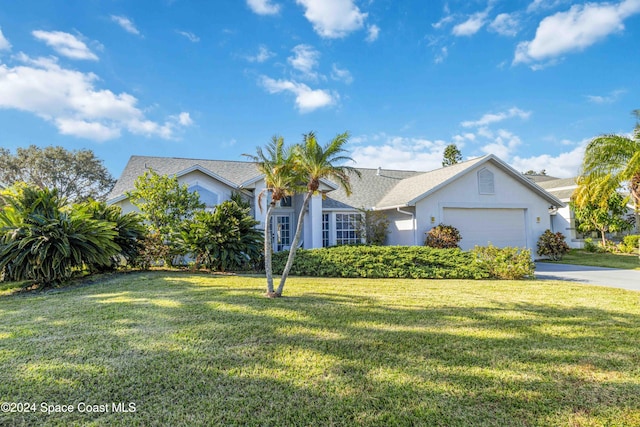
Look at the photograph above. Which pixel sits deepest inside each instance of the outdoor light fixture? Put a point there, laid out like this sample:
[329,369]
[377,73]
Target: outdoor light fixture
[433,220]
[553,210]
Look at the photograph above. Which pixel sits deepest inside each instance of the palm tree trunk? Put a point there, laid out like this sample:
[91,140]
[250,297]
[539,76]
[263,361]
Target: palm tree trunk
[294,244]
[268,250]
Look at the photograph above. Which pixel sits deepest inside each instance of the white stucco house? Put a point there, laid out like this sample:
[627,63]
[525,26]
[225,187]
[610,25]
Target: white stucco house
[486,199]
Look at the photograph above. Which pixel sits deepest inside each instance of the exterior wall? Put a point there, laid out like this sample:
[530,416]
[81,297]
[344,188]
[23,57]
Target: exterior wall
[402,228]
[464,193]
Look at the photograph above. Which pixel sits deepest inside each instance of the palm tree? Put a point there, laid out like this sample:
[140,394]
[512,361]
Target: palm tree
[314,162]
[611,161]
[276,164]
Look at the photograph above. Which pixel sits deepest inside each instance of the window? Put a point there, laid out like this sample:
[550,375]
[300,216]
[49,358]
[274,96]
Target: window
[285,202]
[209,198]
[325,230]
[486,182]
[282,232]
[347,228]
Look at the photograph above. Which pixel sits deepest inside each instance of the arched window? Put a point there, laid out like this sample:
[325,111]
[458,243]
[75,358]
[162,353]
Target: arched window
[486,182]
[209,198]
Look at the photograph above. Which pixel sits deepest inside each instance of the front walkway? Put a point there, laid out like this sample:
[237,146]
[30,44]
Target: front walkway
[612,277]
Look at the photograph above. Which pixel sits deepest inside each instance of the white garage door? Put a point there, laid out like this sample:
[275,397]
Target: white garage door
[501,227]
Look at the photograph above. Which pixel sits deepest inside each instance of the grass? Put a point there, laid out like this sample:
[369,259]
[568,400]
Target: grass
[582,257]
[195,349]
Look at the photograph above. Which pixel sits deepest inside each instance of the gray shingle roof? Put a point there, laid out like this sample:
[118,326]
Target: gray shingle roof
[562,188]
[234,171]
[375,188]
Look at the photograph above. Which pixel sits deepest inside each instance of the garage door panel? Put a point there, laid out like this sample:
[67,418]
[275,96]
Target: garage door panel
[479,226]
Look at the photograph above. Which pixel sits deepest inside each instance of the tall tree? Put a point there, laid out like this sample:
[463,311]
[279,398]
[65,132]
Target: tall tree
[76,175]
[452,155]
[314,162]
[610,162]
[595,216]
[276,163]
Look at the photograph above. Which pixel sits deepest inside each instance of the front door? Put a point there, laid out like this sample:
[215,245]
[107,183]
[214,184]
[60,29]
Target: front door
[281,232]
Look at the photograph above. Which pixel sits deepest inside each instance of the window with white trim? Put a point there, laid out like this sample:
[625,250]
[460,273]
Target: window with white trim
[347,228]
[325,230]
[486,183]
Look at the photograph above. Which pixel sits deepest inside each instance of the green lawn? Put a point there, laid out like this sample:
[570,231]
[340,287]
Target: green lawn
[582,257]
[195,349]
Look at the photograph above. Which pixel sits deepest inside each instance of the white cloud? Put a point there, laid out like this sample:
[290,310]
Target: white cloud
[575,30]
[442,55]
[307,99]
[606,99]
[263,55]
[490,118]
[184,119]
[333,18]
[503,145]
[342,75]
[263,7]
[65,44]
[505,24]
[537,5]
[189,35]
[4,43]
[125,23]
[69,99]
[564,165]
[471,25]
[305,60]
[373,31]
[394,152]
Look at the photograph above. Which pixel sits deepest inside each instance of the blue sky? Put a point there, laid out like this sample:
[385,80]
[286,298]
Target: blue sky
[530,81]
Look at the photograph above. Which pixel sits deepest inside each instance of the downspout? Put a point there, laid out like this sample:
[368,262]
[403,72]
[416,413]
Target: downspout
[415,226]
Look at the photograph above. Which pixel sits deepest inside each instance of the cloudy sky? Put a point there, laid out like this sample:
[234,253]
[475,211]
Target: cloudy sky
[530,81]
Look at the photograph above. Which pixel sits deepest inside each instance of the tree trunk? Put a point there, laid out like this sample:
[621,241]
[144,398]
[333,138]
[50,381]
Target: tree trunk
[294,244]
[268,250]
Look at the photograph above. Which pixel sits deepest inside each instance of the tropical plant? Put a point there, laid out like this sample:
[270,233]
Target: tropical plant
[276,163]
[129,228]
[77,175]
[610,162]
[552,245]
[45,241]
[314,162]
[225,239]
[443,236]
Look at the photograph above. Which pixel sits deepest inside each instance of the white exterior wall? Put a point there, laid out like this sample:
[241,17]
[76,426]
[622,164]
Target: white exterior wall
[464,193]
[402,228]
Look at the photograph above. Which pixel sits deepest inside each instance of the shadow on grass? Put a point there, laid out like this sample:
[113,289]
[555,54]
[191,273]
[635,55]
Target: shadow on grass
[191,353]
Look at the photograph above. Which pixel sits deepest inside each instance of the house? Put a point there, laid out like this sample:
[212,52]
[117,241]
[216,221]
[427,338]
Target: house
[486,199]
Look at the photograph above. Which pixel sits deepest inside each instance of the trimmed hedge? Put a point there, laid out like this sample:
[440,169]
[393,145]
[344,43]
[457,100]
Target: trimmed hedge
[414,262]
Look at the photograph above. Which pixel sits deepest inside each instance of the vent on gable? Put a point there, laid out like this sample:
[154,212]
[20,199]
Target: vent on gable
[486,182]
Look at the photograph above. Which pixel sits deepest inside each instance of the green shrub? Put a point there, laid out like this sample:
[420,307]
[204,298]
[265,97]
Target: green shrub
[552,245]
[443,237]
[153,251]
[589,246]
[382,262]
[45,241]
[630,244]
[224,239]
[504,263]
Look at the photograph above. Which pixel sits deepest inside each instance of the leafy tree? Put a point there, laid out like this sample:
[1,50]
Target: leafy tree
[163,201]
[225,239]
[314,162]
[44,240]
[276,163]
[452,155]
[543,172]
[76,175]
[608,217]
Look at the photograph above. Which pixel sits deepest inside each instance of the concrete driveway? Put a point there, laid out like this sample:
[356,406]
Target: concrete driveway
[612,277]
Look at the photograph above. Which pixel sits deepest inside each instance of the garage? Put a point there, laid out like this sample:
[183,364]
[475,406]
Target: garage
[479,226]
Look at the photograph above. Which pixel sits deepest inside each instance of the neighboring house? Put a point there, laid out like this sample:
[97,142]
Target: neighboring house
[486,199]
